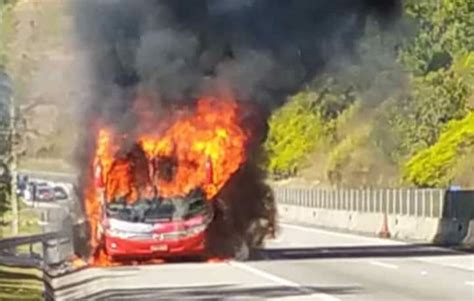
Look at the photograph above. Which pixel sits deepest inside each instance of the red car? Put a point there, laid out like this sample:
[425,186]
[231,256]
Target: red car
[157,228]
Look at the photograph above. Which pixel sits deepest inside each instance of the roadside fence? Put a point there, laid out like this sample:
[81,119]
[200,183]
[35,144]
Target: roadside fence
[408,202]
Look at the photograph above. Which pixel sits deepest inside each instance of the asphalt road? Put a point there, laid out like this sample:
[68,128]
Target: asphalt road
[301,264]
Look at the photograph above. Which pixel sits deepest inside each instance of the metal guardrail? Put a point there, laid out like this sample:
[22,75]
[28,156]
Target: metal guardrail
[408,202]
[16,241]
[9,255]
[53,176]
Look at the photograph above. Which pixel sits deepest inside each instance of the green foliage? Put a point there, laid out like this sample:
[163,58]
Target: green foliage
[21,283]
[4,198]
[407,125]
[434,166]
[464,68]
[295,130]
[400,104]
[343,153]
[6,28]
[445,29]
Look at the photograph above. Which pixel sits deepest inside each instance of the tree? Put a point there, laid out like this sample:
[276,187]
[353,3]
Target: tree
[295,130]
[407,125]
[435,166]
[445,29]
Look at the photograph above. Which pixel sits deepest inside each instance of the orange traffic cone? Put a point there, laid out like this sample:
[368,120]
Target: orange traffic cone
[384,232]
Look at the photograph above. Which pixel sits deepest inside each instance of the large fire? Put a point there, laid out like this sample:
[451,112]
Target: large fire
[201,148]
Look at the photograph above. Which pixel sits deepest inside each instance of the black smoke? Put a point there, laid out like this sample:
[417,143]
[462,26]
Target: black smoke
[258,51]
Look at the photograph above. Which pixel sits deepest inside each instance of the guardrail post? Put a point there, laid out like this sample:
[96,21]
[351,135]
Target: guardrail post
[301,197]
[372,200]
[423,204]
[316,198]
[400,201]
[431,203]
[379,200]
[331,206]
[304,197]
[363,200]
[441,201]
[416,203]
[358,200]
[367,200]
[290,197]
[333,199]
[375,198]
[309,195]
[338,199]
[323,198]
[408,202]
[351,200]
[346,197]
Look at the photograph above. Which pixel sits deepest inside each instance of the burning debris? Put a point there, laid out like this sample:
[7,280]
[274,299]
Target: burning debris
[172,143]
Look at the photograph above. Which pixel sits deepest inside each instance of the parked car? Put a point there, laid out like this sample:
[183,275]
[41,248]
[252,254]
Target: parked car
[60,193]
[45,194]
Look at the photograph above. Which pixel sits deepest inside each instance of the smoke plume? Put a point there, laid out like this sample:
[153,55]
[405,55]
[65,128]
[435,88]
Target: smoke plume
[258,51]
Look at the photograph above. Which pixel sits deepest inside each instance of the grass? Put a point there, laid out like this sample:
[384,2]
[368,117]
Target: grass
[51,165]
[20,283]
[28,222]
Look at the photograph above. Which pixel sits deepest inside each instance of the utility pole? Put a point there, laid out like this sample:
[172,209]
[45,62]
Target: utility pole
[8,131]
[13,167]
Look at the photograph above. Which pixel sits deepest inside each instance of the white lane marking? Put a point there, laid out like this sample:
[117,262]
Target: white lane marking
[283,281]
[471,283]
[448,265]
[425,260]
[384,265]
[345,235]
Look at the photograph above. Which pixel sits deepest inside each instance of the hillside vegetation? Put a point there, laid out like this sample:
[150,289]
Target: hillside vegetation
[37,52]
[397,112]
[400,112]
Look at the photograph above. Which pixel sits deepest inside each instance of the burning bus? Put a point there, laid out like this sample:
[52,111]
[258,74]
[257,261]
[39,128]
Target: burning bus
[159,194]
[153,226]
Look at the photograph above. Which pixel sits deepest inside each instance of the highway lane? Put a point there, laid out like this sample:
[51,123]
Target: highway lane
[373,269]
[300,264]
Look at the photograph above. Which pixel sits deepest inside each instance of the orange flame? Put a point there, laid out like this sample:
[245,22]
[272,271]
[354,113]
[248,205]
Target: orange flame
[212,133]
[206,146]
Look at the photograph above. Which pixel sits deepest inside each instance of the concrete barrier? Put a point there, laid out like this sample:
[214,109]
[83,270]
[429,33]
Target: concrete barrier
[357,222]
[408,228]
[419,229]
[418,215]
[469,239]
